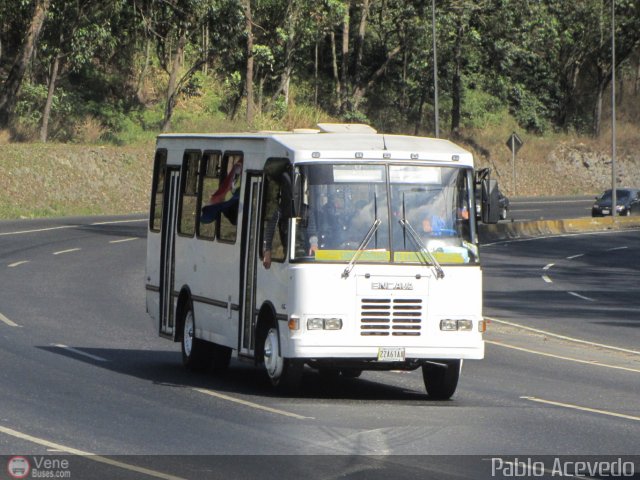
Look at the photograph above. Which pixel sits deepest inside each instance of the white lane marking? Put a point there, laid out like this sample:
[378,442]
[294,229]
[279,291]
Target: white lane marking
[615,248]
[581,296]
[548,266]
[120,221]
[124,240]
[562,337]
[87,455]
[37,230]
[79,352]
[6,321]
[15,264]
[66,227]
[560,357]
[575,256]
[251,404]
[61,252]
[520,210]
[547,279]
[581,408]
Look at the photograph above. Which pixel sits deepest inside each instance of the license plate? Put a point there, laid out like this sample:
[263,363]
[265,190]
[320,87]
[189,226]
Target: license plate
[606,211]
[391,354]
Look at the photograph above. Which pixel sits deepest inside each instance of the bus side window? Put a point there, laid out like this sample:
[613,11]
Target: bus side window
[159,171]
[232,176]
[210,182]
[189,193]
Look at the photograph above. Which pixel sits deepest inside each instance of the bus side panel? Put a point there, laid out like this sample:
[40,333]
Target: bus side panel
[210,271]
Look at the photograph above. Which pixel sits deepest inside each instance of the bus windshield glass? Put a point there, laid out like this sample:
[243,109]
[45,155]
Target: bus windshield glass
[343,201]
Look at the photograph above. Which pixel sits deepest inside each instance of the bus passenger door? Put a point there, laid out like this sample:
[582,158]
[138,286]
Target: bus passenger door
[167,253]
[250,237]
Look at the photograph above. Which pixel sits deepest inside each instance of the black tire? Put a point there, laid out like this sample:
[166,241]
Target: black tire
[285,374]
[220,356]
[196,353]
[441,379]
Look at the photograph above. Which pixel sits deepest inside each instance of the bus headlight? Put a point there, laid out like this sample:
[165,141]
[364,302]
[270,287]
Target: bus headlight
[333,324]
[317,323]
[449,325]
[465,325]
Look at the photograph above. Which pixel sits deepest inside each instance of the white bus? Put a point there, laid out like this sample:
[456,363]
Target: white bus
[340,248]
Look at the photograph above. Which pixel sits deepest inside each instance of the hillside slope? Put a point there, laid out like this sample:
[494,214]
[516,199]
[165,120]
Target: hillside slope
[57,179]
[65,179]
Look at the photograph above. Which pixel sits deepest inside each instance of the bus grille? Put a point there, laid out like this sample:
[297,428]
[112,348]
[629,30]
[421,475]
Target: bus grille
[385,317]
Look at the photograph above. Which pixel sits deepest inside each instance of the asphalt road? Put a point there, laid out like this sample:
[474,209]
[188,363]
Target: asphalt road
[549,208]
[83,372]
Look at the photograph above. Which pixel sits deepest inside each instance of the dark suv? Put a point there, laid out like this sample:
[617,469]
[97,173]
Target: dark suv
[503,204]
[627,203]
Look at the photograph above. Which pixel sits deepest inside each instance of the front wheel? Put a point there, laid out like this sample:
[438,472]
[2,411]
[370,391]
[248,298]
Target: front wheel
[441,378]
[284,373]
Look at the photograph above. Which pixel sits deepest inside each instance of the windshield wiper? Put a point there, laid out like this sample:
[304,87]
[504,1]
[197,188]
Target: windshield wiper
[365,241]
[423,248]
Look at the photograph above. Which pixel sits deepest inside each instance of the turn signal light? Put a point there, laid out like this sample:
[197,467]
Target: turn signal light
[294,322]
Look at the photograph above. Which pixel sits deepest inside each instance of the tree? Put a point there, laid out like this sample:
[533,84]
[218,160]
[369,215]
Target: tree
[11,86]
[249,70]
[87,29]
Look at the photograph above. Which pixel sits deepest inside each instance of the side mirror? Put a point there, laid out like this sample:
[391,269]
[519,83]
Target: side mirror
[490,201]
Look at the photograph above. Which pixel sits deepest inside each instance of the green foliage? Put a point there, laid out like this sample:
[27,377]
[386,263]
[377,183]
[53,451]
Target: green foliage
[483,110]
[546,63]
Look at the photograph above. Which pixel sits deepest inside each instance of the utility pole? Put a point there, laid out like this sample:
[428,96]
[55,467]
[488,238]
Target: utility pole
[435,68]
[614,200]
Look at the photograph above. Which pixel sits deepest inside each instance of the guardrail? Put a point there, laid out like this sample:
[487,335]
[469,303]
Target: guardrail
[536,228]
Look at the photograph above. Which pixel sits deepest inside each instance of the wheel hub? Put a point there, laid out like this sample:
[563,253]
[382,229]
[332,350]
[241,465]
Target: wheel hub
[187,335]
[273,362]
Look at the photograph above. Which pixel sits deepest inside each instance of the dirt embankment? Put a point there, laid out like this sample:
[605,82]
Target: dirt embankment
[57,180]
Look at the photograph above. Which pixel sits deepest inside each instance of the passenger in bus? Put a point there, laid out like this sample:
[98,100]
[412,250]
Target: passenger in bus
[218,204]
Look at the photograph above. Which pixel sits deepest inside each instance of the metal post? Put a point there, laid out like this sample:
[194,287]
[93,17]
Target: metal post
[614,199]
[513,162]
[435,67]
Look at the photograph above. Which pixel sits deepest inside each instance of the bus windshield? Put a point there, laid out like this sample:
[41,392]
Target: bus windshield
[418,208]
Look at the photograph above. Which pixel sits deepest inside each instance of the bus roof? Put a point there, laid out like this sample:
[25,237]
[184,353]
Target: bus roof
[317,146]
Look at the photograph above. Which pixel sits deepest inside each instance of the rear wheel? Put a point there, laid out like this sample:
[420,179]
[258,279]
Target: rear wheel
[284,373]
[195,352]
[441,378]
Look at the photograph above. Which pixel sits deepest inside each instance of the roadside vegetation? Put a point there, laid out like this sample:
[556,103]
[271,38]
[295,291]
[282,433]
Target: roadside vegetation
[86,86]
